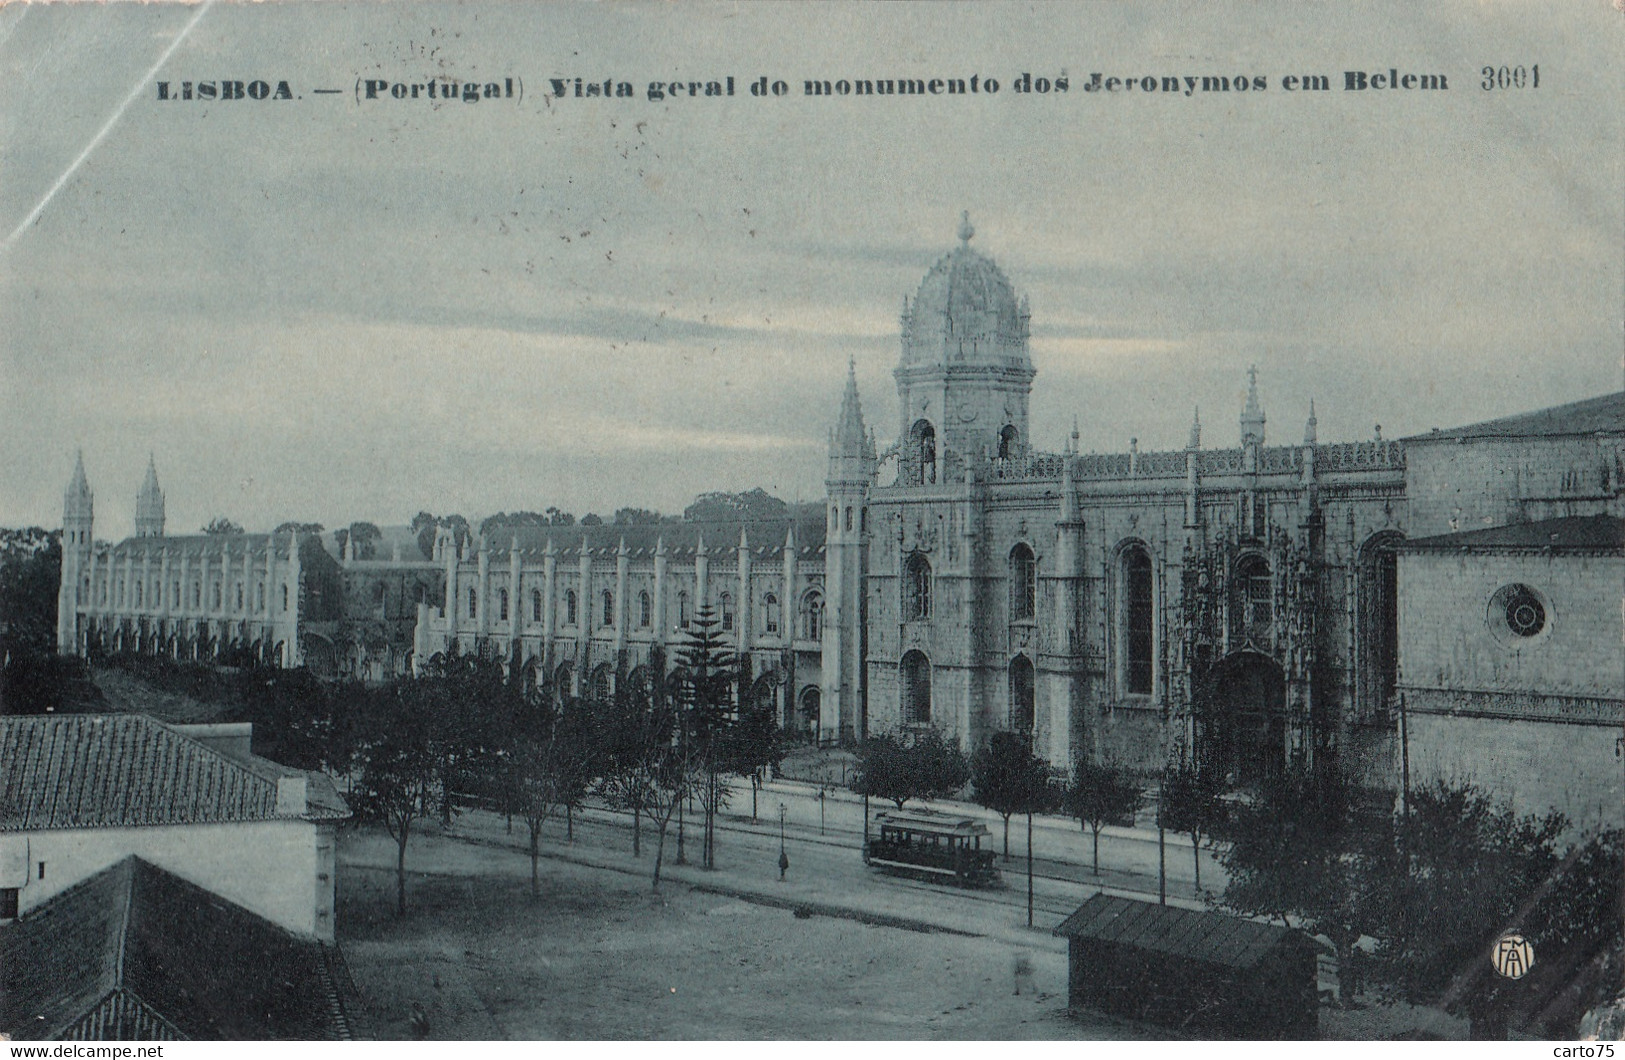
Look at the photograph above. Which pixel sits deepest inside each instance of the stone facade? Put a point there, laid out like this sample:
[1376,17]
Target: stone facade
[585,609]
[1127,606]
[1512,669]
[1251,605]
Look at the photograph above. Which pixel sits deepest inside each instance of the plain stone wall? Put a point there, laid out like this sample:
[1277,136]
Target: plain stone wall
[272,868]
[1484,482]
[1538,766]
[1448,638]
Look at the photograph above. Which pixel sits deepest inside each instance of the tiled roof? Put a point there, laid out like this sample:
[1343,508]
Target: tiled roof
[211,545]
[1604,415]
[111,770]
[765,537]
[1575,533]
[1207,938]
[137,949]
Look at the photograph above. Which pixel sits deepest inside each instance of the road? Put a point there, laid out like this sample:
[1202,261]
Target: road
[823,840]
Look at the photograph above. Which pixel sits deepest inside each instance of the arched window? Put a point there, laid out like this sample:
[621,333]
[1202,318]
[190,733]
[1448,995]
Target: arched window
[682,610]
[561,682]
[378,594]
[915,674]
[1137,622]
[259,596]
[1378,667]
[608,599]
[849,517]
[1023,584]
[569,607]
[917,588]
[138,586]
[727,603]
[811,705]
[922,456]
[601,683]
[284,598]
[812,616]
[473,601]
[214,594]
[535,605]
[645,610]
[197,595]
[1009,442]
[502,605]
[1022,709]
[1251,601]
[770,613]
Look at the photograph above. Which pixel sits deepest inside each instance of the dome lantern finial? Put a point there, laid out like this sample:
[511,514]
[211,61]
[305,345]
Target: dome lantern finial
[966,230]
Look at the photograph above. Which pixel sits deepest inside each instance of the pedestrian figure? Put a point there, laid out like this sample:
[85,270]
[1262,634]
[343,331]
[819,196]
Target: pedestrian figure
[1021,970]
[784,864]
[419,1022]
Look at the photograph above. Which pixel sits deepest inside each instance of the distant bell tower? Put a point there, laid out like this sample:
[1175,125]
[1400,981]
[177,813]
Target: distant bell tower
[149,505]
[850,478]
[78,533]
[965,376]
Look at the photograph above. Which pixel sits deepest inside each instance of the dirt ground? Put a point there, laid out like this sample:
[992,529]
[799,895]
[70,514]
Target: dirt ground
[601,956]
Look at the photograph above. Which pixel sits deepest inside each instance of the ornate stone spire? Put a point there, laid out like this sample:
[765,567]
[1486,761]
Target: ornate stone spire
[78,503]
[1309,427]
[1196,429]
[850,438]
[966,230]
[1252,416]
[149,504]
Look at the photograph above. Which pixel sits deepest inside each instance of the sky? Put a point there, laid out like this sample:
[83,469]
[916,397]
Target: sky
[330,308]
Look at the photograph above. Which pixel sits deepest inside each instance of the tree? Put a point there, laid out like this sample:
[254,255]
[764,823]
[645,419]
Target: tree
[221,525]
[30,576]
[645,769]
[635,517]
[546,765]
[1465,869]
[298,528]
[1007,778]
[364,540]
[1101,795]
[902,767]
[722,506]
[1190,803]
[704,681]
[400,775]
[755,743]
[428,527]
[1303,848]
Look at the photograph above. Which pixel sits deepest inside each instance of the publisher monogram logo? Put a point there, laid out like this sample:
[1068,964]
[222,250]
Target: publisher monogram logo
[1513,956]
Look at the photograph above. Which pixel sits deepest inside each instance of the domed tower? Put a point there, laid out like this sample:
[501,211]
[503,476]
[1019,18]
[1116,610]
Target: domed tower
[965,375]
[149,505]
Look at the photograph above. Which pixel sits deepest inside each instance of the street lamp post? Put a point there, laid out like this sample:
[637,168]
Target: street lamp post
[820,811]
[784,856]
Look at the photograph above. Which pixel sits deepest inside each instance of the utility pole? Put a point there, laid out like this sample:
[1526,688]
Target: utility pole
[1029,868]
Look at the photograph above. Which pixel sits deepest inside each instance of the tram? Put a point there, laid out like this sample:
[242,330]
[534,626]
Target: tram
[934,846]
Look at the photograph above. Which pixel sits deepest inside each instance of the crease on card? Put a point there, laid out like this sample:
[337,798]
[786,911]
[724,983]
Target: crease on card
[107,127]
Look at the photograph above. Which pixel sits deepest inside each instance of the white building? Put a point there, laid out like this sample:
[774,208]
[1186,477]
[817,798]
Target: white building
[79,793]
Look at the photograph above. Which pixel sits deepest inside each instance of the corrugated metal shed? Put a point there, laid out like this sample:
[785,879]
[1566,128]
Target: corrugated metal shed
[1211,938]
